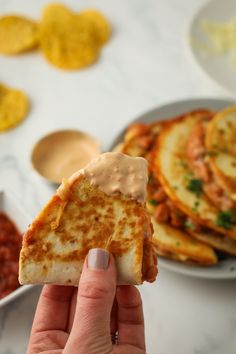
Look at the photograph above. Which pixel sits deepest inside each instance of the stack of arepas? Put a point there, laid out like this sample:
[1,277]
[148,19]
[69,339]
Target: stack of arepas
[192,183]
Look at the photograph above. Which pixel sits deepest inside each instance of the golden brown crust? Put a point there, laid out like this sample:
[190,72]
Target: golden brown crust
[141,140]
[149,258]
[178,242]
[166,253]
[89,219]
[172,192]
[221,141]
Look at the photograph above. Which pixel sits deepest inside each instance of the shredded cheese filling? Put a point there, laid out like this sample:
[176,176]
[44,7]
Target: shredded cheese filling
[221,39]
[56,223]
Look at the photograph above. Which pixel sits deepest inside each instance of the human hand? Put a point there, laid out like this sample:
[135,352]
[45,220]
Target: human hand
[88,319]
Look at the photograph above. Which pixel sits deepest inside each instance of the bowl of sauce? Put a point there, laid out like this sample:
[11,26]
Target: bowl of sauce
[61,153]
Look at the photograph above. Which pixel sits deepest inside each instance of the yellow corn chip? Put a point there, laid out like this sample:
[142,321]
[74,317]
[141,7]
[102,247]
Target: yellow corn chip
[14,107]
[70,44]
[56,12]
[100,23]
[17,34]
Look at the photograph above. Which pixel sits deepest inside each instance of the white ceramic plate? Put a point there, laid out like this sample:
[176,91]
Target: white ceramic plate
[225,269]
[217,67]
[13,208]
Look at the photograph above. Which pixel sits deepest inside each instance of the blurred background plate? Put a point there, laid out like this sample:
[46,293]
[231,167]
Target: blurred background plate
[217,67]
[225,269]
[14,210]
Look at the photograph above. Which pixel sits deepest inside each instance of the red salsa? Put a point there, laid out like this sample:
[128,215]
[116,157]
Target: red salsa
[10,244]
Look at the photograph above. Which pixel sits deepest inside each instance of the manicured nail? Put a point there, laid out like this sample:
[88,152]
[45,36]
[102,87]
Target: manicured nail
[98,259]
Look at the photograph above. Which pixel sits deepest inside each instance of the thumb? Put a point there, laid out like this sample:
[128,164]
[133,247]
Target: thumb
[91,327]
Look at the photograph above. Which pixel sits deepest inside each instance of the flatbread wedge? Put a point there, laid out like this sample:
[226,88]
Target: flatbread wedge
[217,241]
[172,169]
[176,244]
[169,241]
[172,236]
[83,215]
[221,143]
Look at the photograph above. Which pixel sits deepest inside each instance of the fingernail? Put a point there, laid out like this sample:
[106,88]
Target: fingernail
[98,258]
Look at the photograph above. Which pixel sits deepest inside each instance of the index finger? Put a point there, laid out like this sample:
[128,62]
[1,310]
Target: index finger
[53,308]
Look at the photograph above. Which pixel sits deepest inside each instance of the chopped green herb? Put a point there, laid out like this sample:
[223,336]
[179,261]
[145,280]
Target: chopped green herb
[196,205]
[226,219]
[195,186]
[189,224]
[153,202]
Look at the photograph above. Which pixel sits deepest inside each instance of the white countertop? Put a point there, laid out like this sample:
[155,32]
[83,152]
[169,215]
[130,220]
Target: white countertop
[144,65]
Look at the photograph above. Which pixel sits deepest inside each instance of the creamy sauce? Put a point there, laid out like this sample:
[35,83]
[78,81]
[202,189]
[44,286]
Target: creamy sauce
[60,154]
[114,173]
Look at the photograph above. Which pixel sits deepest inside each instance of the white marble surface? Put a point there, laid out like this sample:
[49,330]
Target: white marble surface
[145,64]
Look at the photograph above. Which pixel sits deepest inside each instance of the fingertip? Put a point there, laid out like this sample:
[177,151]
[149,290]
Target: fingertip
[128,295]
[99,265]
[99,259]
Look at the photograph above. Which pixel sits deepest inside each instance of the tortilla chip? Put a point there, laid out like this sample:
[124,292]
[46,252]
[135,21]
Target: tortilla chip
[69,44]
[17,34]
[100,23]
[14,106]
[56,12]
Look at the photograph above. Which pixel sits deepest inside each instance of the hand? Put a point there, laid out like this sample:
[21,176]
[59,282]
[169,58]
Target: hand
[87,320]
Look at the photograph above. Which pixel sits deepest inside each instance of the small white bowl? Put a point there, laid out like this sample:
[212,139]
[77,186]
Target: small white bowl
[13,208]
[216,67]
[61,153]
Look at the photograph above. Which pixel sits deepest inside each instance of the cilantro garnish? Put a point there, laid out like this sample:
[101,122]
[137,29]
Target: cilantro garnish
[153,202]
[226,219]
[196,205]
[195,185]
[189,224]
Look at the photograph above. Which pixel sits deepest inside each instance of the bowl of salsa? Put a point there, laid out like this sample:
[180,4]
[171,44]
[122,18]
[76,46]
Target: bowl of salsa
[13,222]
